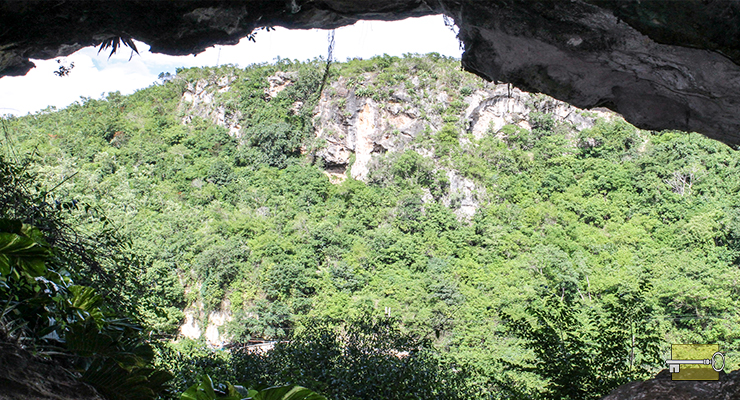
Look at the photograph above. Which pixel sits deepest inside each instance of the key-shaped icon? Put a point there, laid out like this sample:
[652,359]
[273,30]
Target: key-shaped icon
[674,365]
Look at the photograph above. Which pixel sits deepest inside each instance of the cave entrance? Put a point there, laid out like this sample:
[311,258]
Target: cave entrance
[89,72]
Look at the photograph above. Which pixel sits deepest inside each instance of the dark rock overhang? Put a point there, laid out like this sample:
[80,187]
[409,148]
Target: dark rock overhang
[661,64]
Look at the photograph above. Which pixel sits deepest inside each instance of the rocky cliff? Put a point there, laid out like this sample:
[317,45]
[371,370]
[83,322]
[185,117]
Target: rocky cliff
[360,120]
[362,126]
[363,119]
[662,65]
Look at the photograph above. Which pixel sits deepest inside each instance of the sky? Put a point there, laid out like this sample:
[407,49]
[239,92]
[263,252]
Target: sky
[95,74]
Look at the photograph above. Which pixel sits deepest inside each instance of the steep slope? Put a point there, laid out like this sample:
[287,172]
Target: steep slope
[662,65]
[259,204]
[364,119]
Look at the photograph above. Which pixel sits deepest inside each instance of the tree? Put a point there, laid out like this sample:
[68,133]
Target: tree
[626,337]
[584,353]
[561,353]
[270,144]
[43,309]
[367,358]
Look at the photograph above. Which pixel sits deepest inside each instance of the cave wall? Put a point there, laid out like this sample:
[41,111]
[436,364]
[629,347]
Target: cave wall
[588,56]
[661,64]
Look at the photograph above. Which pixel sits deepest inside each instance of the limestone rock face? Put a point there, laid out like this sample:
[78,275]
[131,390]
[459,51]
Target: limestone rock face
[361,120]
[214,324]
[350,124]
[490,110]
[464,196]
[358,123]
[198,101]
[663,388]
[661,64]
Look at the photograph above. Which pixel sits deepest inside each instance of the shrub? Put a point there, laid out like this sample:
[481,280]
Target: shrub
[361,359]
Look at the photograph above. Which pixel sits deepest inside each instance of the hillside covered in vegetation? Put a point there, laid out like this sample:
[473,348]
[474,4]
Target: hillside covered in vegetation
[513,243]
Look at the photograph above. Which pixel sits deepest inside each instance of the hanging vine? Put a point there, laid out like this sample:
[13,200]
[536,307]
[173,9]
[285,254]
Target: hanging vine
[329,57]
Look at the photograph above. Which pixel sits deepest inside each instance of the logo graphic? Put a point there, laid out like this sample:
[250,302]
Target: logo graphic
[695,362]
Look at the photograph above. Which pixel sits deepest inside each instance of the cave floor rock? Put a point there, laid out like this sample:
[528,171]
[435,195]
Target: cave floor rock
[663,388]
[23,376]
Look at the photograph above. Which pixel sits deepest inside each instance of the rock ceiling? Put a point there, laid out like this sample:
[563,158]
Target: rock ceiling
[661,64]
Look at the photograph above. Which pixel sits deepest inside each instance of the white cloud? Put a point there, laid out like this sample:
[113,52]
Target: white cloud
[95,74]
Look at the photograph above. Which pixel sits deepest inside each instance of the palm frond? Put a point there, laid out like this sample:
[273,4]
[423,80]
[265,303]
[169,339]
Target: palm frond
[116,42]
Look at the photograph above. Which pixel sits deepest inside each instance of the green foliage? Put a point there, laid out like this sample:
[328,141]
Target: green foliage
[517,137]
[51,311]
[364,92]
[187,360]
[250,226]
[206,139]
[586,354]
[270,144]
[360,359]
[607,139]
[627,336]
[206,390]
[264,319]
[45,310]
[447,138]
[290,392]
[23,251]
[561,354]
[448,135]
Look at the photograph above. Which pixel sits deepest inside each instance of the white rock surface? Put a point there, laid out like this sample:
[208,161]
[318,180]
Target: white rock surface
[216,320]
[213,333]
[464,195]
[190,328]
[198,100]
[356,130]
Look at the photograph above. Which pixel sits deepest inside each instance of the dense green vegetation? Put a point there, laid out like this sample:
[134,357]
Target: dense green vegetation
[207,390]
[43,307]
[591,253]
[366,358]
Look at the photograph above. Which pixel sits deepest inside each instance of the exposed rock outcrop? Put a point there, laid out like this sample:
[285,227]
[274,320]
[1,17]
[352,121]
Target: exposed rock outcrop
[490,110]
[358,120]
[350,124]
[663,388]
[464,196]
[213,331]
[364,127]
[662,65]
[198,101]
[278,82]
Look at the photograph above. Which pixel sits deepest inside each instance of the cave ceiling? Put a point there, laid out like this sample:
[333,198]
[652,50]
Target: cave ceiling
[661,64]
